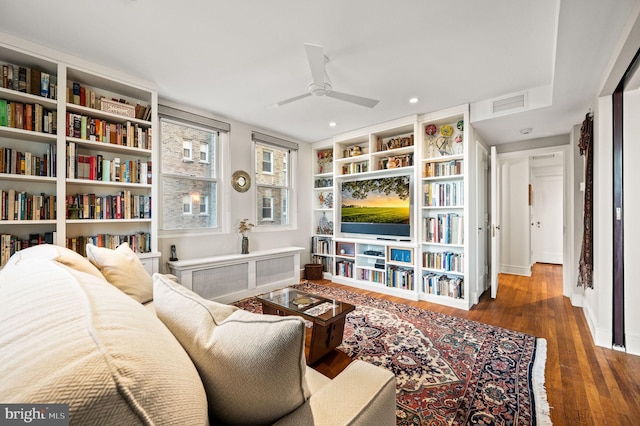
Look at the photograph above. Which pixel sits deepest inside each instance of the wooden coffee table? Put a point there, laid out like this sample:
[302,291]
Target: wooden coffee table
[327,315]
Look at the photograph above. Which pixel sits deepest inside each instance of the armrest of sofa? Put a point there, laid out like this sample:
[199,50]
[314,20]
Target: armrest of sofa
[362,394]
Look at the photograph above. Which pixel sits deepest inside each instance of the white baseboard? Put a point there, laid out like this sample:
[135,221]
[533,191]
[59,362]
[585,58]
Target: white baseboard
[516,270]
[632,343]
[577,300]
[601,337]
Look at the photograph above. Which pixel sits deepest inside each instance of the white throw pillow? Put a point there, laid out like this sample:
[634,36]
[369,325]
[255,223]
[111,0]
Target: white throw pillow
[123,269]
[252,366]
[59,254]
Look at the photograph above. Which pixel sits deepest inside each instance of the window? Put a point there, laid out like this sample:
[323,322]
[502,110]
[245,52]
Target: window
[187,151]
[189,190]
[204,204]
[186,204]
[274,190]
[204,152]
[267,208]
[267,161]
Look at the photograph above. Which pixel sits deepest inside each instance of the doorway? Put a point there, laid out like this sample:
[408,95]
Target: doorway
[519,240]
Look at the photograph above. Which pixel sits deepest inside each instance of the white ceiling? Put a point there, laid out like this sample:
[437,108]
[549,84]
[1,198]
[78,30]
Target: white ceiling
[237,57]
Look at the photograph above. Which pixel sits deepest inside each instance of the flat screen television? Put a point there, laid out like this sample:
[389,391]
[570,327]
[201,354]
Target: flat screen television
[380,206]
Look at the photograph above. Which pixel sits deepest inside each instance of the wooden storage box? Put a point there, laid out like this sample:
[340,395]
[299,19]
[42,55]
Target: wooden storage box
[313,271]
[118,108]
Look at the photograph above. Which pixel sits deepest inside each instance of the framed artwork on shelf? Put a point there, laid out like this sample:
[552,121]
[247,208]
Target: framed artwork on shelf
[400,255]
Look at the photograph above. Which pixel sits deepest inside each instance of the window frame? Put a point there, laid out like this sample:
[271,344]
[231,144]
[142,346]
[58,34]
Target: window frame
[291,149]
[187,145]
[187,200]
[217,154]
[270,162]
[270,208]
[205,152]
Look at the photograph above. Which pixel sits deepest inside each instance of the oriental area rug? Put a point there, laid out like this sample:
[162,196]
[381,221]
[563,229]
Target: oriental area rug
[449,371]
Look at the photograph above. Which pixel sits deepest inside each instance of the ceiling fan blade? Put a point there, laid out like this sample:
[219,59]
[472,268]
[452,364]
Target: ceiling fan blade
[288,101]
[366,102]
[315,56]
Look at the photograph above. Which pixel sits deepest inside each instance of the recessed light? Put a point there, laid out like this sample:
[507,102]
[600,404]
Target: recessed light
[332,124]
[526,131]
[413,100]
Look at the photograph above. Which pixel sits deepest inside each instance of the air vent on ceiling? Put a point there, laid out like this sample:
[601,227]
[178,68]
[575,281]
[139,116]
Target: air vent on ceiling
[503,105]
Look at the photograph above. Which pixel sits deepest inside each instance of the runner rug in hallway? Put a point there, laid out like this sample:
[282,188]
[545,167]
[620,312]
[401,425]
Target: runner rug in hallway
[449,371]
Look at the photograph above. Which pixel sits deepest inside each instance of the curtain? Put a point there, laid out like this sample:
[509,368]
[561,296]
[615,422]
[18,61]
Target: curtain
[585,267]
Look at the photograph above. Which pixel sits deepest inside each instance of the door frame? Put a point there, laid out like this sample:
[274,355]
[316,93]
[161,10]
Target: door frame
[569,272]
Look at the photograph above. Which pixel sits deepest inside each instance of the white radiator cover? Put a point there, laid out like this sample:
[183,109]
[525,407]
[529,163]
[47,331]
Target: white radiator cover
[228,278]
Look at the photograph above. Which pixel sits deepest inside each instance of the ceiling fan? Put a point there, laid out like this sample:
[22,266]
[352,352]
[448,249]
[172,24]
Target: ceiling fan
[321,85]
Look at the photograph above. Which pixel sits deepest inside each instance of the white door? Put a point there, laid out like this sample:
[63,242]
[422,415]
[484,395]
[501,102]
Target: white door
[482,217]
[547,228]
[495,221]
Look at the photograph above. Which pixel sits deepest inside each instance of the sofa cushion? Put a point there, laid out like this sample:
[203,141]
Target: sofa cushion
[123,269]
[252,366]
[70,337]
[59,254]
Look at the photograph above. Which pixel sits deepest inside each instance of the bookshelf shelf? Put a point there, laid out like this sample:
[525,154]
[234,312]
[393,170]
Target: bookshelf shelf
[101,183]
[27,135]
[29,222]
[109,147]
[104,115]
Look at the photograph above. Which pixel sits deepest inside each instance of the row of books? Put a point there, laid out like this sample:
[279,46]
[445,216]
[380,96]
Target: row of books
[371,275]
[443,168]
[398,277]
[25,116]
[444,261]
[97,167]
[444,194]
[79,94]
[443,285]
[320,245]
[123,205]
[355,168]
[446,228]
[324,261]
[9,244]
[344,268]
[26,163]
[19,205]
[97,130]
[140,242]
[28,80]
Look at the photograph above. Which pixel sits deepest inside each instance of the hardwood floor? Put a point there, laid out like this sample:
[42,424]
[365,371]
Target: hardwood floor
[586,384]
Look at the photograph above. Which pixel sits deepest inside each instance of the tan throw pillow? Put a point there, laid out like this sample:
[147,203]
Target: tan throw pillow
[59,254]
[252,366]
[123,269]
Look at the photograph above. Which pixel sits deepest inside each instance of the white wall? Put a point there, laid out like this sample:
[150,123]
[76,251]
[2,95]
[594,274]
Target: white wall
[598,302]
[631,202]
[236,206]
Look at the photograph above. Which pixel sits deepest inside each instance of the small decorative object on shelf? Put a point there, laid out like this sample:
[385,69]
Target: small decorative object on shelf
[174,256]
[325,161]
[244,227]
[325,199]
[325,226]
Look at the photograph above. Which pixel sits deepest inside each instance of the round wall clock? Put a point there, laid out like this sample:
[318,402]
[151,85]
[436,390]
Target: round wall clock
[241,181]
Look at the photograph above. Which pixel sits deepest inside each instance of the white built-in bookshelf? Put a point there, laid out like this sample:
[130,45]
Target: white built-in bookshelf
[77,155]
[433,262]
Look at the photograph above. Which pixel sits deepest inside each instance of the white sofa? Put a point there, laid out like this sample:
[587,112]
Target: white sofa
[76,334]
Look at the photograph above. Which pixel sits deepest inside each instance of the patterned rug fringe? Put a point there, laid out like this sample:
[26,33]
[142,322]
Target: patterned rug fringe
[539,391]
